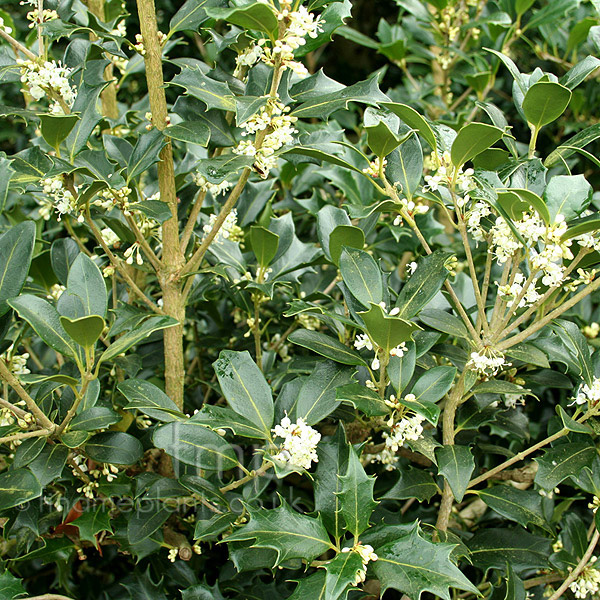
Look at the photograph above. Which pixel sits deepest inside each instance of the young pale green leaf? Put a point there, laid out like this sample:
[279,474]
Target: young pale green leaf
[473,139]
[146,520]
[413,119]
[16,250]
[330,218]
[567,195]
[341,574]
[362,275]
[522,506]
[145,153]
[381,139]
[45,321]
[150,400]
[317,397]
[96,417]
[192,132]
[345,235]
[423,284]
[137,335]
[257,16]
[544,102]
[290,534]
[456,464]
[264,244]
[517,201]
[56,128]
[413,565]
[356,496]
[114,447]
[50,463]
[85,331]
[196,445]
[387,332]
[326,346]
[363,399]
[245,388]
[561,462]
[401,368]
[413,483]
[215,94]
[18,486]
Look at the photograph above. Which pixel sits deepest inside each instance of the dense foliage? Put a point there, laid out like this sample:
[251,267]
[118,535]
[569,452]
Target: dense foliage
[271,329]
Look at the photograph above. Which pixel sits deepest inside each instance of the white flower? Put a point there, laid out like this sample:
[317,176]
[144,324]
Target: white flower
[229,230]
[17,363]
[589,393]
[530,297]
[173,553]
[407,427]
[214,188]
[5,27]
[299,447]
[478,211]
[487,365]
[367,555]
[60,197]
[48,79]
[399,350]
[373,168]
[588,582]
[362,340]
[110,237]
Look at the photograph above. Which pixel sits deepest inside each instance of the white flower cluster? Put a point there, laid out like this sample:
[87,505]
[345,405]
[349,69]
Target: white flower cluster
[374,167]
[299,25]
[16,363]
[61,199]
[88,489]
[280,127]
[403,426]
[111,198]
[446,173]
[48,79]
[110,237]
[55,291]
[34,17]
[362,340]
[478,211]
[531,295]
[214,188]
[487,364]
[230,230]
[308,321]
[367,555]
[299,447]
[589,393]
[412,208]
[588,582]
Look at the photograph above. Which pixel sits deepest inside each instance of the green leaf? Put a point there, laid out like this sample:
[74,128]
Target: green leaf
[413,119]
[522,506]
[366,92]
[191,15]
[473,139]
[561,462]
[50,463]
[45,321]
[56,128]
[567,195]
[345,235]
[196,445]
[6,173]
[492,548]
[93,522]
[74,439]
[85,330]
[413,565]
[264,244]
[27,451]
[413,483]
[257,16]
[456,464]
[582,225]
[145,153]
[341,574]
[578,141]
[356,496]
[10,586]
[155,209]
[428,389]
[321,155]
[518,201]
[245,388]
[215,94]
[149,399]
[290,534]
[387,332]
[405,166]
[401,368]
[362,275]
[95,417]
[16,250]
[17,487]
[381,139]
[443,321]
[571,424]
[363,399]
[137,335]
[423,284]
[544,102]
[575,75]
[146,520]
[192,132]
[220,417]
[577,344]
[217,170]
[114,447]
[326,346]
[332,19]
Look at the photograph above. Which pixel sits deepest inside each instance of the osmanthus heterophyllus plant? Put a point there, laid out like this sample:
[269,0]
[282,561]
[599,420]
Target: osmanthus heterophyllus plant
[271,336]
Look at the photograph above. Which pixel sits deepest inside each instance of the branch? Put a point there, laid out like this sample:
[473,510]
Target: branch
[23,435]
[17,45]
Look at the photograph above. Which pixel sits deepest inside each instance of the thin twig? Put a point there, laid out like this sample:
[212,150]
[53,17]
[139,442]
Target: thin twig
[17,45]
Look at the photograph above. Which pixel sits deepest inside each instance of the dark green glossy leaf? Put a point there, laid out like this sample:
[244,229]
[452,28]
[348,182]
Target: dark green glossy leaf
[363,399]
[192,132]
[413,483]
[49,464]
[413,119]
[145,153]
[95,417]
[456,464]
[264,244]
[145,521]
[215,94]
[473,139]
[561,462]
[387,332]
[257,16]
[56,128]
[326,346]
[114,447]
[345,235]
[150,400]
[17,487]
